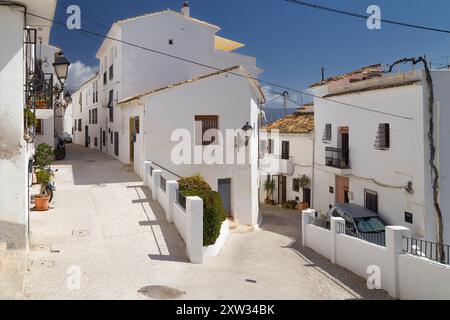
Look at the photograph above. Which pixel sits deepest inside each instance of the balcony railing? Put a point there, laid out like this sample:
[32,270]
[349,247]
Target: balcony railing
[337,158]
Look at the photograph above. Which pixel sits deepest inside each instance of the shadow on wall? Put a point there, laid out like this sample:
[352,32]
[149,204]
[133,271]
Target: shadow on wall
[93,167]
[170,245]
[288,223]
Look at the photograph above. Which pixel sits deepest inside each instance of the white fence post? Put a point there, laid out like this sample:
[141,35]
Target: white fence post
[172,188]
[156,183]
[336,224]
[147,165]
[194,243]
[305,220]
[394,246]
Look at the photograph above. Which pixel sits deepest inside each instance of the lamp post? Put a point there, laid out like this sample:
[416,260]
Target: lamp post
[61,66]
[248,131]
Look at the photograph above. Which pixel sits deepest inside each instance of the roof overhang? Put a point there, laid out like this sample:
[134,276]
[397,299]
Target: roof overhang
[227,45]
[42,8]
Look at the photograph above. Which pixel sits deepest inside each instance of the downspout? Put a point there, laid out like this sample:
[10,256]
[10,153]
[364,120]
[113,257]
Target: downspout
[313,169]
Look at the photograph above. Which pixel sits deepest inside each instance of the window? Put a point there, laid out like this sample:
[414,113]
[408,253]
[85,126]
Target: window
[80,101]
[116,144]
[96,142]
[206,130]
[371,200]
[104,138]
[296,185]
[95,92]
[111,72]
[136,125]
[39,127]
[112,141]
[90,116]
[382,141]
[111,105]
[270,146]
[327,136]
[105,81]
[285,150]
[171,41]
[409,218]
[79,125]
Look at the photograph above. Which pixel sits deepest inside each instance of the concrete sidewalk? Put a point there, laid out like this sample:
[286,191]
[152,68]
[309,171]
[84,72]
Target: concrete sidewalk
[105,225]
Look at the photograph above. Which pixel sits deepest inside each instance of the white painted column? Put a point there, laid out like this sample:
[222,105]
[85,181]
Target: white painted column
[394,246]
[147,165]
[336,225]
[172,188]
[305,220]
[156,183]
[194,243]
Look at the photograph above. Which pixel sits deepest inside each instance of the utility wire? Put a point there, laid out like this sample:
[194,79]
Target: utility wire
[86,17]
[365,17]
[219,69]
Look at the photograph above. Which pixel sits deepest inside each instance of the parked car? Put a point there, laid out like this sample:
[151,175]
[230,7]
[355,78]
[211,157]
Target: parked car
[66,137]
[361,222]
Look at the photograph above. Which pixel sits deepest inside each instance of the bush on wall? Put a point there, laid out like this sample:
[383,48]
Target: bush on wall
[214,213]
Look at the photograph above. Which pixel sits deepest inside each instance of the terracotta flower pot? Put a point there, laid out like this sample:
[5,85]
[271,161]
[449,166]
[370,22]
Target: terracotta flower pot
[41,202]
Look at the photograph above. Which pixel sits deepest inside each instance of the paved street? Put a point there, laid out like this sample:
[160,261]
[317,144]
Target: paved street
[104,224]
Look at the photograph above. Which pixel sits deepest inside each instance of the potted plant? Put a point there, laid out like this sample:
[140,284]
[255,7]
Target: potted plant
[43,158]
[30,121]
[269,186]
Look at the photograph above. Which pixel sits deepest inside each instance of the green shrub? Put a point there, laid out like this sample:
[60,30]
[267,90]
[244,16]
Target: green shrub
[29,117]
[193,183]
[43,156]
[213,214]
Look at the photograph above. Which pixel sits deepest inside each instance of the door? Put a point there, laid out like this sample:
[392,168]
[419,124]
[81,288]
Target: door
[225,194]
[307,196]
[342,190]
[86,136]
[132,138]
[101,139]
[116,144]
[282,182]
[345,144]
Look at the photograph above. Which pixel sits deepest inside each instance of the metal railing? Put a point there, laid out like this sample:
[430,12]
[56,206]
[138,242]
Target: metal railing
[375,238]
[321,223]
[427,249]
[163,184]
[181,200]
[337,158]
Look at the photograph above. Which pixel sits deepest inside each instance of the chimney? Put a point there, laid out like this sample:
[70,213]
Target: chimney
[185,10]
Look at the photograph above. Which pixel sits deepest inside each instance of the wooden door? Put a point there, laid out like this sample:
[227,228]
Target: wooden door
[342,189]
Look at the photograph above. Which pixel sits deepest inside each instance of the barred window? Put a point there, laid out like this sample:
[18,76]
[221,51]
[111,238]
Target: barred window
[206,130]
[136,125]
[327,136]
[383,140]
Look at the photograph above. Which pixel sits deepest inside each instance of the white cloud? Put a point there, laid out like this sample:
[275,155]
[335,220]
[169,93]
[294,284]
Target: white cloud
[79,73]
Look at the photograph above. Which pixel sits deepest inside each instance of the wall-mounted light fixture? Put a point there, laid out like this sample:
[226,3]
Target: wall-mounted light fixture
[248,131]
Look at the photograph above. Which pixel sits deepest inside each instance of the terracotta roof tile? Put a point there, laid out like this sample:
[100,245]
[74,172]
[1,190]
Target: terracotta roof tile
[297,123]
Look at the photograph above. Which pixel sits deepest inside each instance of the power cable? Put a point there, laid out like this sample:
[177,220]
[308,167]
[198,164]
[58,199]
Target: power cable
[221,70]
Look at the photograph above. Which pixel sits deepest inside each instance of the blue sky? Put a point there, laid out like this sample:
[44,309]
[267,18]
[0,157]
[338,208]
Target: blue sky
[291,42]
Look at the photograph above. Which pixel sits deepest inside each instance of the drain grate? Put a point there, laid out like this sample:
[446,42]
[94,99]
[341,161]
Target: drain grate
[80,233]
[161,292]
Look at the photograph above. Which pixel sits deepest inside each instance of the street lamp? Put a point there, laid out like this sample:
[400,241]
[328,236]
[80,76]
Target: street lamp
[61,66]
[67,98]
[248,130]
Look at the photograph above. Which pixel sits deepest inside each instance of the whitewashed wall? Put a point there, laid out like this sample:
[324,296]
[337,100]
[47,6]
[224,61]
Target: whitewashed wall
[404,276]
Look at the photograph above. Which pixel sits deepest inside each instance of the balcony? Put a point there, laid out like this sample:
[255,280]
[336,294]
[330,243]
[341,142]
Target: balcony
[337,158]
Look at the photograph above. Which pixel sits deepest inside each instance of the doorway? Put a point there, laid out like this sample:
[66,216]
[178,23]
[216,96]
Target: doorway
[86,136]
[282,183]
[116,144]
[342,190]
[345,145]
[132,138]
[101,139]
[225,194]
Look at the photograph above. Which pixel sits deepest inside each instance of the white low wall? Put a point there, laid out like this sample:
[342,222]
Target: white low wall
[188,221]
[422,279]
[402,275]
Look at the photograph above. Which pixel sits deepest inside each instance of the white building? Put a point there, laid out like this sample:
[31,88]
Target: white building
[287,158]
[16,56]
[377,153]
[184,112]
[127,72]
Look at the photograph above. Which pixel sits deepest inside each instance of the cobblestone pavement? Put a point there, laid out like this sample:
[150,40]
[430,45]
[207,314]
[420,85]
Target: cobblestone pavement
[105,227]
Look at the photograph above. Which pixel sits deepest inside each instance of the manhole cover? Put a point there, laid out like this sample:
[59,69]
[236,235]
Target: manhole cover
[161,292]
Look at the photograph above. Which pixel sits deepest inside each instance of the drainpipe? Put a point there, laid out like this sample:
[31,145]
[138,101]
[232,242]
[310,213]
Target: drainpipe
[313,170]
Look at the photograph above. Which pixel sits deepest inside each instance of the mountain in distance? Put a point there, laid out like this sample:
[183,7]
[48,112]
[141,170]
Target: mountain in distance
[274,114]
